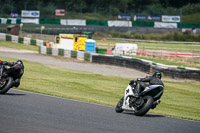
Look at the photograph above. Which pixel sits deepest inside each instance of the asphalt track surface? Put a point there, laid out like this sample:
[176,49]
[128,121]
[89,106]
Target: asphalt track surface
[26,112]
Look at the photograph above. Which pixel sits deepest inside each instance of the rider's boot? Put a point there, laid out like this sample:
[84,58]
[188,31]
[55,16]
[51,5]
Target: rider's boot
[16,83]
[137,90]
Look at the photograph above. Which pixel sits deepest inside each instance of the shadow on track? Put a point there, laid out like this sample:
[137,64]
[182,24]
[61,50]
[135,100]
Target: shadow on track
[147,115]
[14,94]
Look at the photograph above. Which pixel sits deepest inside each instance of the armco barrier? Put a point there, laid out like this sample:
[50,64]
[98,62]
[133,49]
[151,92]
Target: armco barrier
[55,51]
[33,42]
[2,36]
[80,55]
[14,39]
[74,54]
[24,40]
[8,37]
[21,40]
[67,53]
[61,52]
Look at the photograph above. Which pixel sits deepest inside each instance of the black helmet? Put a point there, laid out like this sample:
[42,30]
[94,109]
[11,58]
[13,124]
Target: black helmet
[157,75]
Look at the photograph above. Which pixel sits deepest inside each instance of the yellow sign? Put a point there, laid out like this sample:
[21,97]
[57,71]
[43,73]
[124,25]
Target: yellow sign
[78,42]
[81,43]
[66,35]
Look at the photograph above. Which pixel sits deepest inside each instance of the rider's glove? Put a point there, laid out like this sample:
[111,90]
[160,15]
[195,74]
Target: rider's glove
[131,82]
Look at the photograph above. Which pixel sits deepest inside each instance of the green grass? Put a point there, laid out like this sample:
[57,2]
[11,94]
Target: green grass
[157,46]
[18,45]
[180,99]
[191,19]
[171,47]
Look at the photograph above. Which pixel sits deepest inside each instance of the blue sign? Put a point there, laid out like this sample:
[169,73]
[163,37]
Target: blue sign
[126,17]
[171,18]
[175,19]
[144,17]
[140,17]
[35,13]
[14,15]
[27,13]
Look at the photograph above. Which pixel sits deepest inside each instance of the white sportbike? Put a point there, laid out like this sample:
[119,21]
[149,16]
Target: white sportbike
[148,99]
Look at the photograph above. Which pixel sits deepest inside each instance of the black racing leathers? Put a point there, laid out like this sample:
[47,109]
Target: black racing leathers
[141,83]
[15,69]
[152,80]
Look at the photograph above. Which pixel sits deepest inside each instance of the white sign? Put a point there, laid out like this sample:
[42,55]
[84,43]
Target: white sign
[165,25]
[33,14]
[171,19]
[80,22]
[30,20]
[125,49]
[117,23]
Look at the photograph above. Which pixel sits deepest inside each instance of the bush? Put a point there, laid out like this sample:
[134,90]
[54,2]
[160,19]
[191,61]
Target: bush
[191,9]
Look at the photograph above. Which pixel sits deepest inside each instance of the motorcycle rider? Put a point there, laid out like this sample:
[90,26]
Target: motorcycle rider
[155,79]
[16,69]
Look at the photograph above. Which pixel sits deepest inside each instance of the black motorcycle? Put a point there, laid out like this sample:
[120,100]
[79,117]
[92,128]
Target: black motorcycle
[6,79]
[148,99]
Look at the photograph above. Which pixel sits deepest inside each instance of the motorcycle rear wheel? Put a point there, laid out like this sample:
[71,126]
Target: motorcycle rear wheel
[6,86]
[148,102]
[118,107]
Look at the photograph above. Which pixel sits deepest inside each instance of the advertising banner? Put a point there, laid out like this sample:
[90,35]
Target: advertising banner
[32,14]
[140,17]
[165,25]
[120,23]
[30,21]
[80,22]
[144,17]
[60,12]
[14,15]
[156,18]
[171,18]
[126,17]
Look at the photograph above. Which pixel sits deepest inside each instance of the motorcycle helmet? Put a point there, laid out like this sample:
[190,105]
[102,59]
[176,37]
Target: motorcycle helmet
[19,62]
[157,75]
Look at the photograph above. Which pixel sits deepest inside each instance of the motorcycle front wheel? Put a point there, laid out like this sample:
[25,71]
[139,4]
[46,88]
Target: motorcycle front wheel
[118,107]
[7,84]
[144,108]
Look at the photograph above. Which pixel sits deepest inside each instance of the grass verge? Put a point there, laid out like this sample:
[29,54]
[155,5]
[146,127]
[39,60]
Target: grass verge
[18,45]
[179,100]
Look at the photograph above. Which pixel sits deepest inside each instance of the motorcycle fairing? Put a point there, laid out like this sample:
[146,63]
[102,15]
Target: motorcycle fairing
[154,87]
[127,94]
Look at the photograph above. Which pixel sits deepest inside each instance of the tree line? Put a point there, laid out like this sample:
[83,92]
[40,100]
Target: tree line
[111,7]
